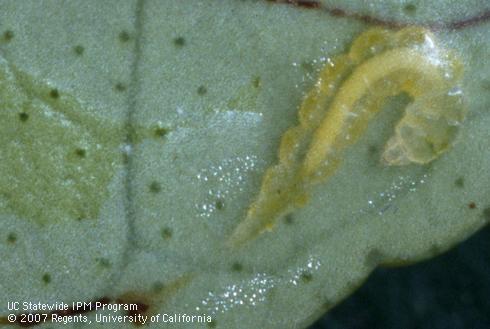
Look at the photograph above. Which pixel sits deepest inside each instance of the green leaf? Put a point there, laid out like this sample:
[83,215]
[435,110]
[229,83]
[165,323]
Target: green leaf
[179,108]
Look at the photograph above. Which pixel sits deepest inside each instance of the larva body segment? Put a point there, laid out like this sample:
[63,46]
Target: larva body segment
[350,90]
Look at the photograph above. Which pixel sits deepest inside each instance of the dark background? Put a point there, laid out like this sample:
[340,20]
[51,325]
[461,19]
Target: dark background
[451,291]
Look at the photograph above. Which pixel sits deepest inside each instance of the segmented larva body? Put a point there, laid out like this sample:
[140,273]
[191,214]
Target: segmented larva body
[350,90]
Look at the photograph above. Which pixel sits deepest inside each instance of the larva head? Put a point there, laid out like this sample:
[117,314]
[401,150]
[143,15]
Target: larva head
[427,130]
[430,123]
[410,145]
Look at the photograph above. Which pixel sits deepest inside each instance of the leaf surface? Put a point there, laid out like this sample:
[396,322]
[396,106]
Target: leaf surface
[203,92]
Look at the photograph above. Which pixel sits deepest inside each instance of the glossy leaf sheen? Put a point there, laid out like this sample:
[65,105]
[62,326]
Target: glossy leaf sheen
[189,101]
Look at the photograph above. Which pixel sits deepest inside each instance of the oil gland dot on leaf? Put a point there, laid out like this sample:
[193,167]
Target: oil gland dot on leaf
[155,187]
[12,238]
[8,35]
[202,90]
[23,116]
[120,87]
[79,50]
[350,90]
[124,36]
[46,278]
[166,233]
[54,93]
[80,152]
[179,42]
[410,8]
[160,132]
[237,267]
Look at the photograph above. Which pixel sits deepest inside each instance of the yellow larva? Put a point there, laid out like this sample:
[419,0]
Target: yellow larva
[350,91]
